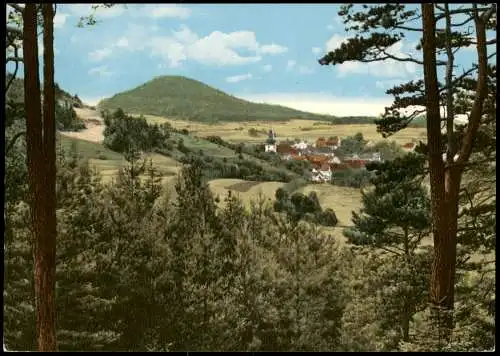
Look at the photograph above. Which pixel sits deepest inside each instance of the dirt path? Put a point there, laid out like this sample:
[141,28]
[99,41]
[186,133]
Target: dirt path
[95,126]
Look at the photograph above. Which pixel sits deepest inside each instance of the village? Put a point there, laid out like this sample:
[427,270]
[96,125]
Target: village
[323,155]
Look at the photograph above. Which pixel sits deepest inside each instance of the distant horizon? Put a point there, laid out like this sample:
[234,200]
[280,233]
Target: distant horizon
[236,48]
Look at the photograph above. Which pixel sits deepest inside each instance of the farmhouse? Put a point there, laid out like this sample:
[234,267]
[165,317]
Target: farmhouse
[321,174]
[321,142]
[300,145]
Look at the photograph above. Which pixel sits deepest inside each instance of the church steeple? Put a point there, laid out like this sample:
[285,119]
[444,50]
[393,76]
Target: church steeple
[271,137]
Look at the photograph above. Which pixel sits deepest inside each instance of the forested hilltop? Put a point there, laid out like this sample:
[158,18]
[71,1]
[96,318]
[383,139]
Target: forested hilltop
[188,99]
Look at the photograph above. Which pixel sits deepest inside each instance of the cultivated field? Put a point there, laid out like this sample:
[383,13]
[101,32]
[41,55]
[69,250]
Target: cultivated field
[307,129]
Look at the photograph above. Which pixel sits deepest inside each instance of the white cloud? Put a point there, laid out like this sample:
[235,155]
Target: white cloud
[185,35]
[273,49]
[101,71]
[239,78]
[337,23]
[217,48]
[267,68]
[323,103]
[316,50]
[388,68]
[135,38]
[170,50]
[389,83]
[99,54]
[334,42]
[305,70]
[172,11]
[93,100]
[60,20]
[290,64]
[122,42]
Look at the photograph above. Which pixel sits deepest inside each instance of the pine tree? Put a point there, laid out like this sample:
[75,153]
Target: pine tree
[395,217]
[378,28]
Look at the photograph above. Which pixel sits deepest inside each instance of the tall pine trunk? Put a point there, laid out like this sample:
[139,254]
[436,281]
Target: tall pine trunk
[445,180]
[443,267]
[47,271]
[40,141]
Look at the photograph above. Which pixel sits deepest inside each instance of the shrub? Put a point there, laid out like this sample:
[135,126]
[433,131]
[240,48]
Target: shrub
[327,218]
[295,184]
[355,178]
[123,132]
[253,132]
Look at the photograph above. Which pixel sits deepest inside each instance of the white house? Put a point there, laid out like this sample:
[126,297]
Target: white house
[322,174]
[334,160]
[270,147]
[300,145]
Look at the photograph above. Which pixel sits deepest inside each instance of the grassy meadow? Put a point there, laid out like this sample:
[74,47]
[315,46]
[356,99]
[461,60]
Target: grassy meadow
[306,129]
[107,162]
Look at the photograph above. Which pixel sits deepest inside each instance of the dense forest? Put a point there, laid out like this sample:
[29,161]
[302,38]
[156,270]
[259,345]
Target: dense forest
[137,265]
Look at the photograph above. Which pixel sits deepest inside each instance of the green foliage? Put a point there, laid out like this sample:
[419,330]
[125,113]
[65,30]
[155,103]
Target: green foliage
[352,145]
[388,150]
[295,184]
[299,207]
[66,119]
[397,210]
[123,133]
[351,177]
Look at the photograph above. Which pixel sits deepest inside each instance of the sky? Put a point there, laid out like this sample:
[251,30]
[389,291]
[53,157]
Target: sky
[259,52]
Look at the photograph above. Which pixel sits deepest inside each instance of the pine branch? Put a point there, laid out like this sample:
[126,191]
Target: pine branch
[13,141]
[481,87]
[11,80]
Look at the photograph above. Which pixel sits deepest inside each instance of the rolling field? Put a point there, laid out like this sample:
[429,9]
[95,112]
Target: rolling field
[107,162]
[246,190]
[307,129]
[342,200]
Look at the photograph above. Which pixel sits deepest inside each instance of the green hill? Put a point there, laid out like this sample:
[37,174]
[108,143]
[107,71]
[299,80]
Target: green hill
[16,92]
[183,98]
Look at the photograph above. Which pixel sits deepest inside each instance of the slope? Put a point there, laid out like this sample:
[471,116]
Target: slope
[183,98]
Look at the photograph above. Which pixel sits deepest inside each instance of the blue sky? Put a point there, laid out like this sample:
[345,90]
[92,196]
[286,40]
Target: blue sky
[260,52]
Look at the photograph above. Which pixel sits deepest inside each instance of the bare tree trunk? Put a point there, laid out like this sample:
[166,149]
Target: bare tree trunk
[39,170]
[443,267]
[48,269]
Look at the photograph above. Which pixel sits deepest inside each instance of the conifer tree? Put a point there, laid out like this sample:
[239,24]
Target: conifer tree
[379,27]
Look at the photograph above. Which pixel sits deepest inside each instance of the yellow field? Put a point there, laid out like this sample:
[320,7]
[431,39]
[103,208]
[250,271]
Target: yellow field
[342,200]
[109,168]
[246,190]
[303,129]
